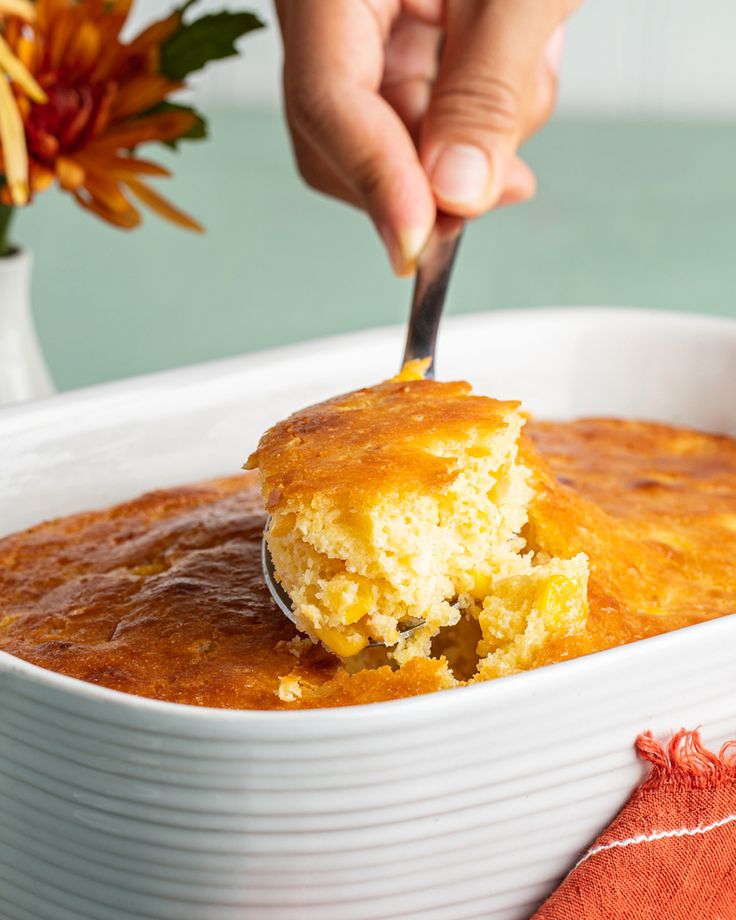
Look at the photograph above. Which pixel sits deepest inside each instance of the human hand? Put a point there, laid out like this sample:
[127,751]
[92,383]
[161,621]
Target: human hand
[379,118]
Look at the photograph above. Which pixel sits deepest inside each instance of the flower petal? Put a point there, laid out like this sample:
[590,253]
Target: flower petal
[23,9]
[45,146]
[78,123]
[166,126]
[59,36]
[126,220]
[13,140]
[102,115]
[17,72]
[161,206]
[120,166]
[140,94]
[84,48]
[40,177]
[70,173]
[28,53]
[155,34]
[48,11]
[107,192]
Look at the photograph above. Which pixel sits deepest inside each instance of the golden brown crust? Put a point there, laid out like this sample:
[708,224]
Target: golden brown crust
[361,441]
[654,508]
[163,597]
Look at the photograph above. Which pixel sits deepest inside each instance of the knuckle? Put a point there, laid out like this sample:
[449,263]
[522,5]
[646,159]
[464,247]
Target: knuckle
[306,109]
[485,103]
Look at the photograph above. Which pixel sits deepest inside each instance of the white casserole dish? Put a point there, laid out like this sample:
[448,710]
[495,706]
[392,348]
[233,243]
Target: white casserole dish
[465,804]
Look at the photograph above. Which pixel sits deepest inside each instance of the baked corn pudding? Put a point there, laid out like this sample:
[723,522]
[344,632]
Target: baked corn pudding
[403,504]
[514,544]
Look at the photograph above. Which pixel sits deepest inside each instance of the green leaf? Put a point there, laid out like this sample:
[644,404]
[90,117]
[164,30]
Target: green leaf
[209,38]
[197,132]
[7,213]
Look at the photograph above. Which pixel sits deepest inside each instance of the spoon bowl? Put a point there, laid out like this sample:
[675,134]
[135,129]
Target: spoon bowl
[283,601]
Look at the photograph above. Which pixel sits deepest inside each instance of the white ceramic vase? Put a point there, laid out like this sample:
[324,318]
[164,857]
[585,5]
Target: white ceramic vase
[23,371]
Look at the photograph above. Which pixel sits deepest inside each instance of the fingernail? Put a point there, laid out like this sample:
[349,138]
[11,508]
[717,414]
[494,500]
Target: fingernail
[554,48]
[461,175]
[411,243]
[404,247]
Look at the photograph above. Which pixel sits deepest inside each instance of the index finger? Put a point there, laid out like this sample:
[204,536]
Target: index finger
[333,67]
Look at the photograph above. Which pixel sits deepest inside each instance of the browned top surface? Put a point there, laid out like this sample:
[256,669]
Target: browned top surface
[361,441]
[162,596]
[654,507]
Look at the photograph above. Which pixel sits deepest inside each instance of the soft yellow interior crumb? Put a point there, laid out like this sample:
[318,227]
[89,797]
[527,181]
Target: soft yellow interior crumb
[357,575]
[523,612]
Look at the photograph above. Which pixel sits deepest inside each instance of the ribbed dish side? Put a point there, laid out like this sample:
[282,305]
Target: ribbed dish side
[448,807]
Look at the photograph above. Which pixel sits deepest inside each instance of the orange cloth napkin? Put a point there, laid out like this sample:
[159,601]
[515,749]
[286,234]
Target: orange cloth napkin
[671,852]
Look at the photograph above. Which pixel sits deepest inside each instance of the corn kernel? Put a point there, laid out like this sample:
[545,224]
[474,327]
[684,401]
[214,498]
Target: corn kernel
[343,645]
[552,592]
[350,596]
[482,583]
[282,524]
[553,601]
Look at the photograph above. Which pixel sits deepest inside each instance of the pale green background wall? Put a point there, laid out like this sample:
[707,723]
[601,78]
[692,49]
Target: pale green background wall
[628,213]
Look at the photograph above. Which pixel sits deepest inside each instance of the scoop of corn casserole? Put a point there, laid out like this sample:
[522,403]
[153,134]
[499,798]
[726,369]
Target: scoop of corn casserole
[405,503]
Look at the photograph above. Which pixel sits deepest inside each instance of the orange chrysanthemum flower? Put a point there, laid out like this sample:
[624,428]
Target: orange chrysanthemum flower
[76,101]
[11,124]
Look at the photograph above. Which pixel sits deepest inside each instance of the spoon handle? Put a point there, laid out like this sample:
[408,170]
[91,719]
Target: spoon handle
[430,288]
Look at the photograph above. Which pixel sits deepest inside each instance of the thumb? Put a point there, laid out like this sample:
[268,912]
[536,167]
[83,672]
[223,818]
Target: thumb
[476,114]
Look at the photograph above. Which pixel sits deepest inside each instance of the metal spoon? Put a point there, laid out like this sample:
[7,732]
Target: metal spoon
[430,290]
